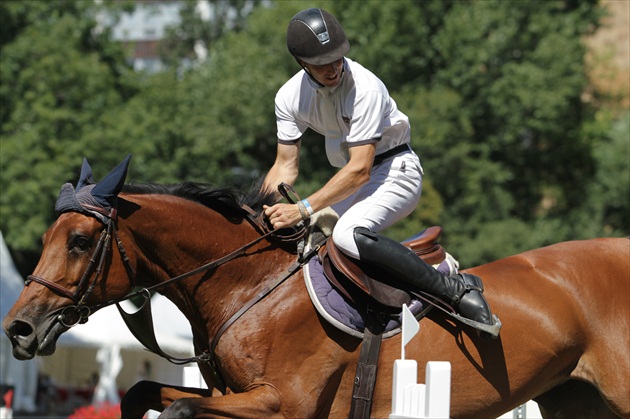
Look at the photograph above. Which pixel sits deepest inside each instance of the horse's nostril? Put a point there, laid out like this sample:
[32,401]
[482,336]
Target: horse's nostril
[20,329]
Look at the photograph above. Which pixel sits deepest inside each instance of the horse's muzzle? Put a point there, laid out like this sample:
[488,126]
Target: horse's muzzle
[22,337]
[28,340]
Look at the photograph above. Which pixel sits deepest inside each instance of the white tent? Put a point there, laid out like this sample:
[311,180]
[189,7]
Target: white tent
[107,328]
[103,352]
[20,374]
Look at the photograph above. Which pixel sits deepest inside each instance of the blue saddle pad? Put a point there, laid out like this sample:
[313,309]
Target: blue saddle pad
[336,308]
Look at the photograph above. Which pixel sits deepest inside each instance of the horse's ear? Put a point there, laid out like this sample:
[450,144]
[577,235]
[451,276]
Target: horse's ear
[86,177]
[106,191]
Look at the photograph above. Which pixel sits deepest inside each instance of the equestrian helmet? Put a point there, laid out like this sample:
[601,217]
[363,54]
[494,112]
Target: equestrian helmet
[316,37]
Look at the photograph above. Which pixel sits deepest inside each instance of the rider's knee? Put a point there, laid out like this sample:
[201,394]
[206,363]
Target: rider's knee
[344,240]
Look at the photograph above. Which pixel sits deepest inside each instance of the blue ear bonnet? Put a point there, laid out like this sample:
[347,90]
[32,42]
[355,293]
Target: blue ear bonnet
[103,195]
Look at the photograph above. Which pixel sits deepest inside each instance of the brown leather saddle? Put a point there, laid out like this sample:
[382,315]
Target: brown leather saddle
[355,283]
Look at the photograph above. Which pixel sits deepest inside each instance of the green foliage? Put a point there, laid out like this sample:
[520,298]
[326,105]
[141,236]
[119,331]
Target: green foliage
[223,16]
[607,205]
[522,89]
[58,78]
[513,158]
[394,38]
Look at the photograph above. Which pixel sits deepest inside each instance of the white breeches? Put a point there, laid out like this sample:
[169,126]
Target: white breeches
[392,193]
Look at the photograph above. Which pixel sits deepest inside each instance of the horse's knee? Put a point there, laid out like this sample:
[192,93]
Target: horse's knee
[141,397]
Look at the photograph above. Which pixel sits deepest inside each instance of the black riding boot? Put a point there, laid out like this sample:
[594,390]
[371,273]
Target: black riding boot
[393,259]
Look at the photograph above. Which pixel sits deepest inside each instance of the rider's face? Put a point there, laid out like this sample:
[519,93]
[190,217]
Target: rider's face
[328,75]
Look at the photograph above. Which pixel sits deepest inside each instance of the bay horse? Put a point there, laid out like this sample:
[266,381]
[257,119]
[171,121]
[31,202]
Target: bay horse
[564,309]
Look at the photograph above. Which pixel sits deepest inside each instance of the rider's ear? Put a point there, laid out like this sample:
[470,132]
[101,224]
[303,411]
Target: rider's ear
[106,191]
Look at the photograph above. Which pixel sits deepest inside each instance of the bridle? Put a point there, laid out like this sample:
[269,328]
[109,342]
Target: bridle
[80,311]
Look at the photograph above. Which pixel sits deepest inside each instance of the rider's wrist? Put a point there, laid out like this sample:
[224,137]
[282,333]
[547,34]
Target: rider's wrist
[308,207]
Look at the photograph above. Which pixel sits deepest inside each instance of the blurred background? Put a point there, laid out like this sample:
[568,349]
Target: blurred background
[520,111]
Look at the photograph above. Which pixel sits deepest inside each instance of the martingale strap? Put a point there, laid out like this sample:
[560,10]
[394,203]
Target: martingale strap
[140,324]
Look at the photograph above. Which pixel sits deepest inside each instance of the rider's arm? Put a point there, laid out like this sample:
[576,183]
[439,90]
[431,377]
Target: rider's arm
[347,180]
[344,183]
[285,168]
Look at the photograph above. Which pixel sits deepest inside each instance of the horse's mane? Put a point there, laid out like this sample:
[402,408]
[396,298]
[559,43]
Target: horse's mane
[228,201]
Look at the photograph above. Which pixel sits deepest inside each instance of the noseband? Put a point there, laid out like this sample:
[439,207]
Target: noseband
[79,312]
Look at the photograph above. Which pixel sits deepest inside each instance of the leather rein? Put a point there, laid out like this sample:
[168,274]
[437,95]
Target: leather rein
[78,313]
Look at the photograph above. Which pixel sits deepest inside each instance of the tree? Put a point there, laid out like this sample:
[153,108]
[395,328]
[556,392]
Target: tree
[59,76]
[607,198]
[493,91]
[201,25]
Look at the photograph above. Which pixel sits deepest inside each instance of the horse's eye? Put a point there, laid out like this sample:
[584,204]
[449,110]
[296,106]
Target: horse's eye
[80,243]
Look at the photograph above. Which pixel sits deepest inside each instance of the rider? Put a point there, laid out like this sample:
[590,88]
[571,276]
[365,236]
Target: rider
[379,180]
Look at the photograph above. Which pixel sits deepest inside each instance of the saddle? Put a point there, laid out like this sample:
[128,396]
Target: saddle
[355,283]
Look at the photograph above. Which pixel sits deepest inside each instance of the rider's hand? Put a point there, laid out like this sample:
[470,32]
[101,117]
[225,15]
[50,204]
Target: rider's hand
[283,215]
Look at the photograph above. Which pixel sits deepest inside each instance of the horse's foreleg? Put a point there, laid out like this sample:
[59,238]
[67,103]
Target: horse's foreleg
[146,395]
[261,402]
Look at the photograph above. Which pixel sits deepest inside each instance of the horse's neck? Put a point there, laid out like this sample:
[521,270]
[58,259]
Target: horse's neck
[192,236]
[174,236]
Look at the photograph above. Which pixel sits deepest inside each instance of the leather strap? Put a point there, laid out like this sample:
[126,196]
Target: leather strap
[365,377]
[140,324]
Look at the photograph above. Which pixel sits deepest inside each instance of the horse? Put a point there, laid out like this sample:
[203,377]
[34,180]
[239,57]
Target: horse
[564,309]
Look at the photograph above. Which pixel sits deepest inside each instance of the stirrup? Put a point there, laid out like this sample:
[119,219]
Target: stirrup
[491,329]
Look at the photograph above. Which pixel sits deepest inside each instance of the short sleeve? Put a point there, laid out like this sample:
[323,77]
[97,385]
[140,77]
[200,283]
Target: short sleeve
[289,128]
[368,118]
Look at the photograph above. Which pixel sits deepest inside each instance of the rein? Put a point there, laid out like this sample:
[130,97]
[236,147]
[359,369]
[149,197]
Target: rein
[140,323]
[101,251]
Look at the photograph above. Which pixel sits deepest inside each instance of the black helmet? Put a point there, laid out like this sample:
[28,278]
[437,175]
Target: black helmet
[316,37]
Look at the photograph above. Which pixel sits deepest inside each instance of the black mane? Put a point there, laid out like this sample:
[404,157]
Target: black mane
[226,200]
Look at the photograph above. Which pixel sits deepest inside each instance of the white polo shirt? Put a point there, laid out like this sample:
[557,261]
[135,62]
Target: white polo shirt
[358,111]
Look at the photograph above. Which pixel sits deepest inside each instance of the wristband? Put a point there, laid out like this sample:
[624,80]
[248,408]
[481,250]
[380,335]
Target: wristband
[308,207]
